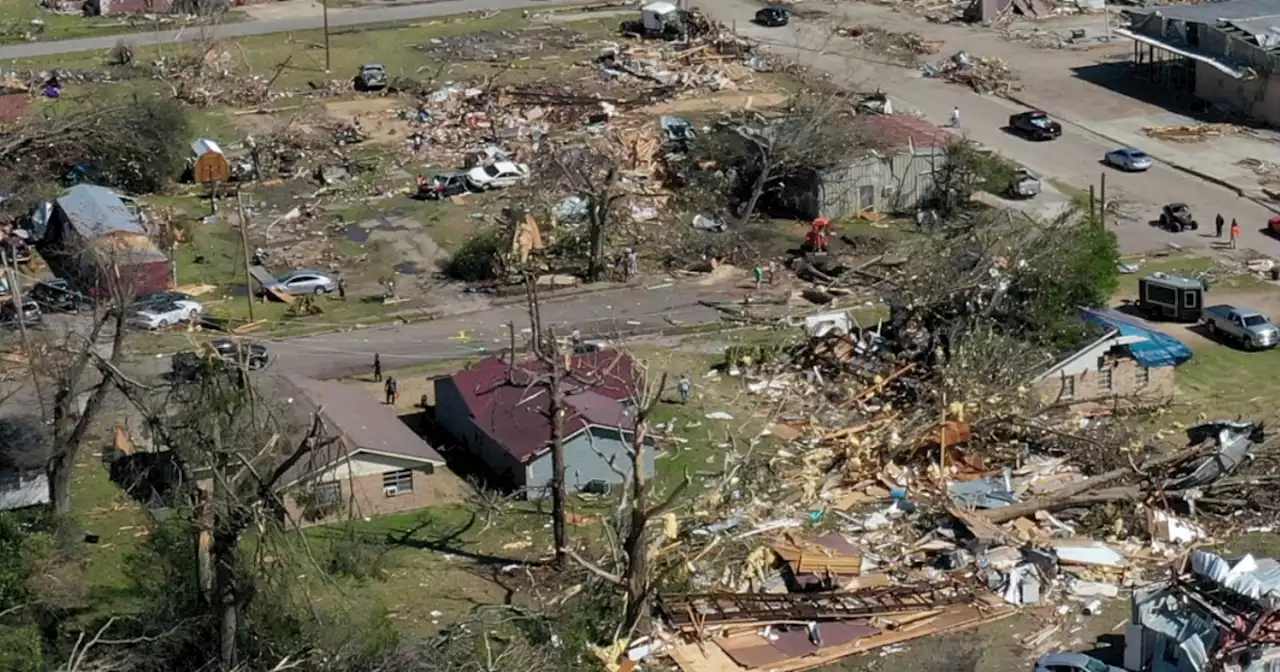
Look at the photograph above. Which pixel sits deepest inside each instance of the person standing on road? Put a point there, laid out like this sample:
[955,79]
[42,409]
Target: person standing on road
[955,116]
[685,388]
[1235,233]
[390,387]
[377,368]
[1220,222]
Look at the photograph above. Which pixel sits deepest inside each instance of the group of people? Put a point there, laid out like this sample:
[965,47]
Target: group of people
[1235,229]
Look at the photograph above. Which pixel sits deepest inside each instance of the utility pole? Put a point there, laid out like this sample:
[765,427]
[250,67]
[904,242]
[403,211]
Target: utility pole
[1106,21]
[1102,211]
[325,9]
[244,245]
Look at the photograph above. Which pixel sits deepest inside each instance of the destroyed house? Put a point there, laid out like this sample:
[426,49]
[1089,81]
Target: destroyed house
[499,410]
[1224,53]
[91,237]
[892,177]
[1215,614]
[1127,364]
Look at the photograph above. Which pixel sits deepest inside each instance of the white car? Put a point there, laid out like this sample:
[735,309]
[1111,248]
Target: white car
[1072,662]
[162,315]
[499,174]
[1128,158]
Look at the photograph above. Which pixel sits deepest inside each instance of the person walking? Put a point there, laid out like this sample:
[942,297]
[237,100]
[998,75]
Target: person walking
[759,273]
[377,368]
[685,388]
[391,390]
[633,264]
[1235,233]
[342,288]
[955,116]
[1219,223]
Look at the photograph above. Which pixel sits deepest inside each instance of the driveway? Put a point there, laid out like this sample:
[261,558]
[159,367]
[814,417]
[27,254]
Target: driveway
[1051,83]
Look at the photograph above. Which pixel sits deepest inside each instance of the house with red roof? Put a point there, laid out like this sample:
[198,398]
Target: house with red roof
[499,409]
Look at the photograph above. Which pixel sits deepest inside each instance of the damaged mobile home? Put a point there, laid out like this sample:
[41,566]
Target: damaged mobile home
[1214,614]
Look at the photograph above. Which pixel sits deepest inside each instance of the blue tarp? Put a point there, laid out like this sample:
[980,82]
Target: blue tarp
[1160,349]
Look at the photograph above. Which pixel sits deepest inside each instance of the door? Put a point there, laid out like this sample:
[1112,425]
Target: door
[866,197]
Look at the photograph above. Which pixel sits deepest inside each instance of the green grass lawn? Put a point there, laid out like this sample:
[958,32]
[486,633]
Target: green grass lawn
[1191,266]
[23,21]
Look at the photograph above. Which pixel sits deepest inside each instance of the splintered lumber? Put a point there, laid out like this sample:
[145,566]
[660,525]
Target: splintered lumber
[264,278]
[875,389]
[828,554]
[248,327]
[716,609]
[123,444]
[709,656]
[1070,494]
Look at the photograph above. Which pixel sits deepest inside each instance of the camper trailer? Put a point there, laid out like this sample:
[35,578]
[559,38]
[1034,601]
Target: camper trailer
[1171,297]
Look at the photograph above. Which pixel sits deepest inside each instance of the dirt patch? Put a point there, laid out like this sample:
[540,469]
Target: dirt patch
[720,101]
[377,118]
[418,253]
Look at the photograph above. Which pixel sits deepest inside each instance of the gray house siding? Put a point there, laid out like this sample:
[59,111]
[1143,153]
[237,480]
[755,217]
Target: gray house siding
[888,184]
[586,459]
[454,417]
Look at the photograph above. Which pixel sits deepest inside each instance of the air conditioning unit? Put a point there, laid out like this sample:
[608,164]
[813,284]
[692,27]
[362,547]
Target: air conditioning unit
[390,491]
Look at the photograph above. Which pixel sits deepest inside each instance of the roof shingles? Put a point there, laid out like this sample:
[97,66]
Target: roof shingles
[514,413]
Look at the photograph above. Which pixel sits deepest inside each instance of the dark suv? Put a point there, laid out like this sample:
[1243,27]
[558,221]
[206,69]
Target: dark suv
[223,351]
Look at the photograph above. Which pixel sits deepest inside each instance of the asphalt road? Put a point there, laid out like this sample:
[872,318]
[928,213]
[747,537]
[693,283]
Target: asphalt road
[1075,158]
[337,19]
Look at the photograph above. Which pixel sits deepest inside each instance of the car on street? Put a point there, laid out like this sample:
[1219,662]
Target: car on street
[164,315]
[773,17]
[1248,328]
[56,296]
[497,175]
[305,281]
[1128,158]
[1072,662]
[372,77]
[1035,124]
[443,185]
[31,314]
[225,351]
[1177,217]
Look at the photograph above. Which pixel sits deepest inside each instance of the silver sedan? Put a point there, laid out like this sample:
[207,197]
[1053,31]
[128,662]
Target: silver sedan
[1128,158]
[305,281]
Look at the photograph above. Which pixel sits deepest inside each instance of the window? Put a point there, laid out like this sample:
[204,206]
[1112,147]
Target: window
[1068,387]
[1095,665]
[1104,379]
[1189,300]
[1141,377]
[397,482]
[326,494]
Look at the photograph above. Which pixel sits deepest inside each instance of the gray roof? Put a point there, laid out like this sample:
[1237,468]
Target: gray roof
[97,211]
[1211,12]
[365,423]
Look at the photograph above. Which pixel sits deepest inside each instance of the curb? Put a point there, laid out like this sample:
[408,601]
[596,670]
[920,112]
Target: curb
[1212,179]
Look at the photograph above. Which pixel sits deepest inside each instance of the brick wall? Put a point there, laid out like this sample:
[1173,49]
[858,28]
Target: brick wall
[366,497]
[1126,388]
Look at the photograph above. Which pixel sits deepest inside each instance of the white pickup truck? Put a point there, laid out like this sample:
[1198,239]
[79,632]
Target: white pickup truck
[1249,328]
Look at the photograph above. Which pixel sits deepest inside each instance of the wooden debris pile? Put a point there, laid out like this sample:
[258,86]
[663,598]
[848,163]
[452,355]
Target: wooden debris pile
[1191,132]
[984,75]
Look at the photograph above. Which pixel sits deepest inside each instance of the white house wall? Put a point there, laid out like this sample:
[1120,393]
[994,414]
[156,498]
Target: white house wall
[366,464]
[33,490]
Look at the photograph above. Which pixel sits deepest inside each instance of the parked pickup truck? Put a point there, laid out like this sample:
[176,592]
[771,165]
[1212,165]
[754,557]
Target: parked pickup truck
[1249,328]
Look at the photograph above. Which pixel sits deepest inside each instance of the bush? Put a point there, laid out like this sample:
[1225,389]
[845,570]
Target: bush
[357,557]
[140,147]
[479,258]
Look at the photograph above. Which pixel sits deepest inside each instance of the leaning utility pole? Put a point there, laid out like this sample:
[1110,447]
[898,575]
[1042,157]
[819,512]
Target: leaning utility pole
[325,8]
[244,245]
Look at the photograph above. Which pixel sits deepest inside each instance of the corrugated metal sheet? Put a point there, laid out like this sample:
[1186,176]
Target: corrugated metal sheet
[885,184]
[1258,580]
[97,211]
[1160,349]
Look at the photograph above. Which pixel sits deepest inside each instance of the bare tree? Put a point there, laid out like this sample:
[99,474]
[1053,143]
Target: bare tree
[635,578]
[593,174]
[547,350]
[217,423]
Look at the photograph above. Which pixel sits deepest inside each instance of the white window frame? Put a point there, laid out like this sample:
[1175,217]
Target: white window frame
[324,499]
[1106,379]
[398,482]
